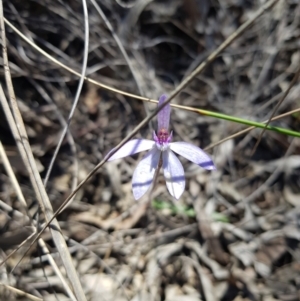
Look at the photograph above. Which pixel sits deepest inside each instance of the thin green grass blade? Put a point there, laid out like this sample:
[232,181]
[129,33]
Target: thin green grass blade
[249,122]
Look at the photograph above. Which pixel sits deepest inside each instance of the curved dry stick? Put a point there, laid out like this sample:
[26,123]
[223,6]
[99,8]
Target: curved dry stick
[48,99]
[19,132]
[229,40]
[57,62]
[78,92]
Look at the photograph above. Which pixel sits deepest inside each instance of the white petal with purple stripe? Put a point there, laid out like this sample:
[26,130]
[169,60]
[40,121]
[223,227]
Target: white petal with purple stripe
[193,153]
[132,147]
[143,175]
[173,173]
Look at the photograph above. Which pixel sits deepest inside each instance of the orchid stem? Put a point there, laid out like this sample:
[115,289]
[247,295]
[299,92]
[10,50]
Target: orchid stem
[249,122]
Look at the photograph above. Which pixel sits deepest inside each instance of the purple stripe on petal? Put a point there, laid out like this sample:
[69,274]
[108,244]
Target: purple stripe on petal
[163,117]
[143,175]
[173,173]
[193,153]
[132,147]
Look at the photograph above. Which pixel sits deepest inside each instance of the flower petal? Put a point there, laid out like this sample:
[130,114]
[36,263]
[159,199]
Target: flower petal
[132,147]
[143,175]
[193,153]
[163,117]
[174,174]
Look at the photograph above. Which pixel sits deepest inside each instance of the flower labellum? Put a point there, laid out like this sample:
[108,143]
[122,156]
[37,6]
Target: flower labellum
[161,147]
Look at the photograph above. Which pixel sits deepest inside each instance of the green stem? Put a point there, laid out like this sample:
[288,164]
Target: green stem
[249,122]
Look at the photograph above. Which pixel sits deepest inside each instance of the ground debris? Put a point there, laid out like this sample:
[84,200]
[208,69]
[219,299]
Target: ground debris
[234,234]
